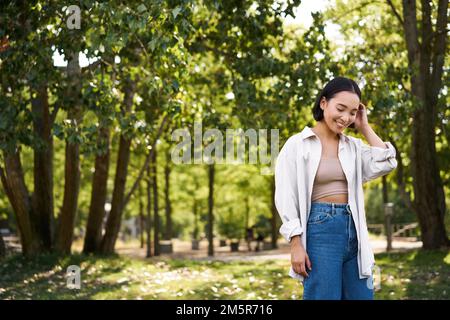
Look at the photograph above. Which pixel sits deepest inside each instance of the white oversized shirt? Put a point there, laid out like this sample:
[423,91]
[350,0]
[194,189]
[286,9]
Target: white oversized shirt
[295,170]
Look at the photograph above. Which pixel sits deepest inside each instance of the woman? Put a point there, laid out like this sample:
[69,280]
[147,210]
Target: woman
[319,175]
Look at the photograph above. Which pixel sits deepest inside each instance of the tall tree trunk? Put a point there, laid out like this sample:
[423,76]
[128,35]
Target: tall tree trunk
[196,211]
[195,231]
[115,216]
[147,161]
[14,184]
[2,247]
[387,219]
[429,199]
[43,169]
[384,189]
[141,217]
[273,219]
[66,222]
[155,204]
[247,212]
[94,226]
[168,228]
[148,225]
[211,172]
[400,179]
[38,209]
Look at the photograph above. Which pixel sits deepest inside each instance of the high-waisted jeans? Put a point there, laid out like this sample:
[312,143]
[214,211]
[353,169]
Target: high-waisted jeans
[332,247]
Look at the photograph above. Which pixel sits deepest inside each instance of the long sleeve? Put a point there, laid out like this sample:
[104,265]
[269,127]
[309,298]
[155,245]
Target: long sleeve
[376,161]
[286,191]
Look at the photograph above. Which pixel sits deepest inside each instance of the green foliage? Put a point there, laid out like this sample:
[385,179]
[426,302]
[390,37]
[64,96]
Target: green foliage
[230,226]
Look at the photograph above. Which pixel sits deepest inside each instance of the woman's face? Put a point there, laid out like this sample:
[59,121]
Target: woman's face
[340,111]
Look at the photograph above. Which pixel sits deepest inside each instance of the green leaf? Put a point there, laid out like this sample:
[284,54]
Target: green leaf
[152,44]
[176,11]
[175,85]
[141,8]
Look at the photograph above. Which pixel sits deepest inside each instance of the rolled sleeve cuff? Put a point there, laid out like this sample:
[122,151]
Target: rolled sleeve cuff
[382,154]
[291,228]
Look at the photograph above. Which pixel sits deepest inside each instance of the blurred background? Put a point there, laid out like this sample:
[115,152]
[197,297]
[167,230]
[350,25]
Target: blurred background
[91,93]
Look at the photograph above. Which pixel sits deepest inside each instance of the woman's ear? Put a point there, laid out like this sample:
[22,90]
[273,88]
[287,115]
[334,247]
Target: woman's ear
[324,100]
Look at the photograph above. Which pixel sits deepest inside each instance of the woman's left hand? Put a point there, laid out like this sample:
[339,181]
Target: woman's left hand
[361,120]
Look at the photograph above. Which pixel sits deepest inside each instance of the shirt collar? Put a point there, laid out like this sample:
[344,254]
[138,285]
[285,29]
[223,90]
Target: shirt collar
[307,132]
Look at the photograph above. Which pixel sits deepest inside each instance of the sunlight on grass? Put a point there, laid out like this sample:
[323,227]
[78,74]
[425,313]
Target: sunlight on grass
[410,275]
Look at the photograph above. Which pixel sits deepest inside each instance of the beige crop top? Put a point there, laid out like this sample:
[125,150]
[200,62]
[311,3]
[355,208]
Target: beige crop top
[330,179]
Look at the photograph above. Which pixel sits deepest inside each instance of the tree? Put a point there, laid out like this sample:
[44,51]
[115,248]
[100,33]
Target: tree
[156,223]
[2,247]
[114,218]
[27,77]
[66,221]
[168,206]
[104,102]
[149,223]
[426,55]
[211,173]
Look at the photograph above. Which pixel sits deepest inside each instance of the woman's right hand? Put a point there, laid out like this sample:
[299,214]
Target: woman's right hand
[299,258]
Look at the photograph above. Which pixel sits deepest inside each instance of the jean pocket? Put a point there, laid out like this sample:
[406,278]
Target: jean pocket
[319,218]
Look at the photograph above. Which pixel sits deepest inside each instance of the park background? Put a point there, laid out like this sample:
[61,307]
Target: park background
[90,96]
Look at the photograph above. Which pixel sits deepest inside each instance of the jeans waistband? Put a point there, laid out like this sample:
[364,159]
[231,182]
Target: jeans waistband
[330,206]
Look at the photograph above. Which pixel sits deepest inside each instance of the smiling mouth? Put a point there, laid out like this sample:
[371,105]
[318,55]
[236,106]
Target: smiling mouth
[340,125]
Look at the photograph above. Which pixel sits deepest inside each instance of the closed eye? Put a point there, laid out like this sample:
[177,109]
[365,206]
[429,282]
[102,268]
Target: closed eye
[344,109]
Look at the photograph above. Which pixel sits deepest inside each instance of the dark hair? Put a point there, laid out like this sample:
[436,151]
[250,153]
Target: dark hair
[332,88]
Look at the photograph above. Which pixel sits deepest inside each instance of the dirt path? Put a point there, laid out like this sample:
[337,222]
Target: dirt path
[182,250]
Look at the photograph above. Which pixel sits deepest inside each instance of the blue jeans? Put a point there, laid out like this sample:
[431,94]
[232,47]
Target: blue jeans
[332,247]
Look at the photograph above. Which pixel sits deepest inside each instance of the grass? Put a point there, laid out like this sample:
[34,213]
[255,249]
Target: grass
[414,274]
[409,275]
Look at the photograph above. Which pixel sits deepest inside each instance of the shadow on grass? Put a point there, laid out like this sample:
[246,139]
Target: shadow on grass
[241,280]
[415,274]
[44,276]
[431,279]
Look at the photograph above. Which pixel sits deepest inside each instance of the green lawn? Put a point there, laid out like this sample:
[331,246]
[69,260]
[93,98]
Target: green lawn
[410,275]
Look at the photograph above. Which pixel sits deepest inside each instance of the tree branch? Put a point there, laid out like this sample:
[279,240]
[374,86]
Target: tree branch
[54,113]
[440,38]
[365,4]
[401,181]
[411,34]
[146,163]
[4,180]
[395,12]
[92,66]
[427,37]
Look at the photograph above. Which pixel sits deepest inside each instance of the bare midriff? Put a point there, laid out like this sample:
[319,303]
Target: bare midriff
[336,198]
